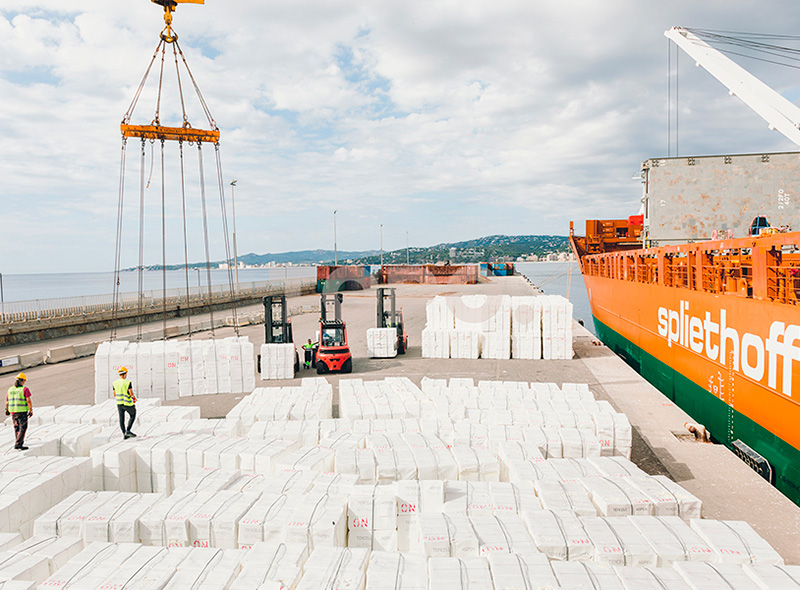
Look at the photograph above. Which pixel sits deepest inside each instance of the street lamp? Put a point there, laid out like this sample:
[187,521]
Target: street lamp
[335,257]
[235,253]
[408,258]
[381,245]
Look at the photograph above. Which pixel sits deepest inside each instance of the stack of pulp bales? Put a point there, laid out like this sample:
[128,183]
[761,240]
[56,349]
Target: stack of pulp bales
[277,361]
[382,342]
[440,322]
[482,327]
[541,327]
[498,327]
[526,327]
[168,370]
[556,328]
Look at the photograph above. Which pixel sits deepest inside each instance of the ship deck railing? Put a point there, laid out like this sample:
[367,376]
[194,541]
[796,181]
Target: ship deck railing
[764,268]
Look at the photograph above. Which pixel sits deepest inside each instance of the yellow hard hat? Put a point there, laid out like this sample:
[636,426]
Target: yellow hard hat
[122,370]
[22,376]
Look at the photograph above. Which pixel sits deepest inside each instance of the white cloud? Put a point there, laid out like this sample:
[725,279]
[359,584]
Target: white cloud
[449,119]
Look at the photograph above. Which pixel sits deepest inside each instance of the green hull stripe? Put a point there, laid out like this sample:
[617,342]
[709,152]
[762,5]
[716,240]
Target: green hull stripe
[725,423]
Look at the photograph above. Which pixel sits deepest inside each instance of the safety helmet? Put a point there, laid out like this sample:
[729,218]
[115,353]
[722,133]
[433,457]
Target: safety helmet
[122,371]
[22,376]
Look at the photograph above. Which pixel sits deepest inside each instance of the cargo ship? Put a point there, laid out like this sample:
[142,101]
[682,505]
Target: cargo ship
[700,291]
[707,315]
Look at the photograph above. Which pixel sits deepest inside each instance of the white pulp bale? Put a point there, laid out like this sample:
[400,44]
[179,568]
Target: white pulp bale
[277,361]
[335,567]
[435,343]
[382,342]
[735,541]
[521,570]
[397,571]
[673,540]
[586,575]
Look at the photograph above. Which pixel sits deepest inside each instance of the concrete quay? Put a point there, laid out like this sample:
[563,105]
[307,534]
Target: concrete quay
[729,489]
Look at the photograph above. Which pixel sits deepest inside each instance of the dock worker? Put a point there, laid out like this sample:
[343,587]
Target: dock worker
[126,402]
[308,348]
[20,408]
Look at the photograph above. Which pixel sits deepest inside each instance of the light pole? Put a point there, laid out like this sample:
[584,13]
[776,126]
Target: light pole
[381,245]
[408,257]
[335,256]
[235,253]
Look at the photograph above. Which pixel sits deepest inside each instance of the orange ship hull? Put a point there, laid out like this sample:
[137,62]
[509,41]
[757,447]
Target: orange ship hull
[716,327]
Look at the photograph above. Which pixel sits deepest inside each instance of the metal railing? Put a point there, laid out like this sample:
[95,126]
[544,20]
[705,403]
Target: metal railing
[38,310]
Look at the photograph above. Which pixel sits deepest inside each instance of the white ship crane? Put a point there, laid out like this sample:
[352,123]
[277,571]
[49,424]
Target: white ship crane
[780,113]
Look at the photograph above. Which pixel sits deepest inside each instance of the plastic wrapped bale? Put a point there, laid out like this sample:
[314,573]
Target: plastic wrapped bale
[435,343]
[102,372]
[735,541]
[586,575]
[382,342]
[648,578]
[451,572]
[372,518]
[397,571]
[335,567]
[465,344]
[272,564]
[522,570]
[728,576]
[277,361]
[672,539]
[496,345]
[560,536]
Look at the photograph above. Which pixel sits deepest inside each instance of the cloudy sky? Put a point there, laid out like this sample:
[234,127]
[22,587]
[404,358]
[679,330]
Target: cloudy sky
[443,120]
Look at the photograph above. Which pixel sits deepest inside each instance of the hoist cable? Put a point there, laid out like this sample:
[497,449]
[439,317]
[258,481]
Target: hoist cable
[118,243]
[157,116]
[138,93]
[180,86]
[226,237]
[202,100]
[205,235]
[186,248]
[163,245]
[141,247]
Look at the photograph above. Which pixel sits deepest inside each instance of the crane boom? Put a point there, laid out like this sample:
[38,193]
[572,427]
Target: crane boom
[777,111]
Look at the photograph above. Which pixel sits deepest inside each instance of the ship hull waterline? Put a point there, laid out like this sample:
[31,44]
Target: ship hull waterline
[671,336]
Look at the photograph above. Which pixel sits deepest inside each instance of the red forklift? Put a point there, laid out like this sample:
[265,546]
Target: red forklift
[391,317]
[331,353]
[278,326]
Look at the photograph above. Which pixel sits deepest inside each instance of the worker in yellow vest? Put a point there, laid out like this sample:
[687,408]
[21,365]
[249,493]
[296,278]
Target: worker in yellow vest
[126,402]
[308,349]
[20,407]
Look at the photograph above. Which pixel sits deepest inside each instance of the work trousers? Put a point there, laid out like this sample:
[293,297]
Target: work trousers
[131,411]
[308,354]
[20,420]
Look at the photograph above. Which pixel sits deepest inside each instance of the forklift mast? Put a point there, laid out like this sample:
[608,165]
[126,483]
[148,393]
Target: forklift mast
[387,311]
[330,307]
[277,324]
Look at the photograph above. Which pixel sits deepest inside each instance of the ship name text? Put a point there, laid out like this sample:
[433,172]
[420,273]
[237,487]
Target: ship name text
[749,354]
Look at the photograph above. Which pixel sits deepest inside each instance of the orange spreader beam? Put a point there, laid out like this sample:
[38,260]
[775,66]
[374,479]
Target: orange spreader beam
[169,133]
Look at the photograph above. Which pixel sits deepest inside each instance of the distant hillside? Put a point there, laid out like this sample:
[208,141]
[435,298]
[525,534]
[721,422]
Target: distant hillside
[488,249]
[303,257]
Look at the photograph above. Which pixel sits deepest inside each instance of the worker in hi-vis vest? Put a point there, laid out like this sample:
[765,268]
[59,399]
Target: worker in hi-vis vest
[126,401]
[308,349]
[19,406]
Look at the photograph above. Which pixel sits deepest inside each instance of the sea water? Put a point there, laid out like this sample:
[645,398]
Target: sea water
[26,287]
[561,278]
